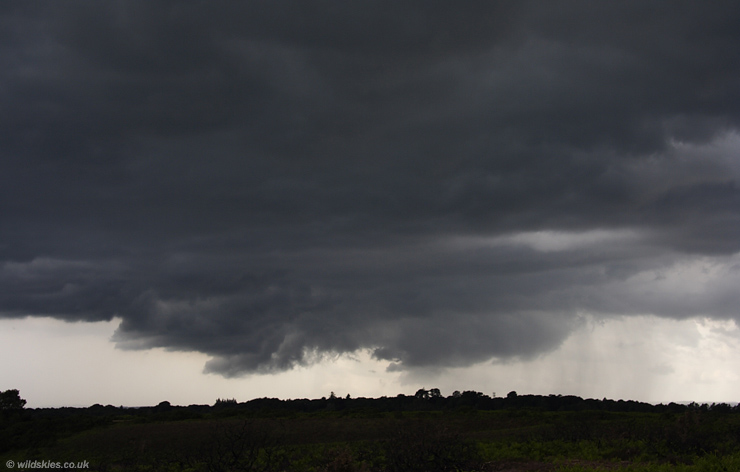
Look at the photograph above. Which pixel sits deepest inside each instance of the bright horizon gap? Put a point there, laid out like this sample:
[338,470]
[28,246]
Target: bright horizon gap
[599,360]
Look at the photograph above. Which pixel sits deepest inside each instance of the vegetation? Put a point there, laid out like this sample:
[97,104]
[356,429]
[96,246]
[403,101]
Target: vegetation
[466,431]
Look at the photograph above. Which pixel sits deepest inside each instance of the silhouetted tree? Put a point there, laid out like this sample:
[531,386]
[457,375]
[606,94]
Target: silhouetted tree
[226,402]
[11,400]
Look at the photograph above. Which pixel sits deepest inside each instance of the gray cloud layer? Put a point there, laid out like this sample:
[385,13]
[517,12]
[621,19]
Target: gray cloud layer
[443,183]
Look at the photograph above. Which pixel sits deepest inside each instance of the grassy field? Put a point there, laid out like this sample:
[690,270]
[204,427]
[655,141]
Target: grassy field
[464,439]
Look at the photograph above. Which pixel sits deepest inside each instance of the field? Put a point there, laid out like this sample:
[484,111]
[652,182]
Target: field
[413,435]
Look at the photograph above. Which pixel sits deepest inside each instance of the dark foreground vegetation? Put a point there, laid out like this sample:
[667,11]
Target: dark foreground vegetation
[466,431]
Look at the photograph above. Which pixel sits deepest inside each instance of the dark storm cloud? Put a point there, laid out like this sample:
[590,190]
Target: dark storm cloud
[269,182]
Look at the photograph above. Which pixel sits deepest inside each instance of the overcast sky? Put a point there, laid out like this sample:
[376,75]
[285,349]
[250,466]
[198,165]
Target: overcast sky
[372,195]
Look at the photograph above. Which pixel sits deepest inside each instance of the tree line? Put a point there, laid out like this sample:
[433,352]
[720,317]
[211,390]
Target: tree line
[422,400]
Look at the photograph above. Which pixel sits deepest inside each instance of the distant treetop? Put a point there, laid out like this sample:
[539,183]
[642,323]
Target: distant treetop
[11,400]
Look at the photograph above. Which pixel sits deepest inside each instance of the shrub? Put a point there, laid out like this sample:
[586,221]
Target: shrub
[422,445]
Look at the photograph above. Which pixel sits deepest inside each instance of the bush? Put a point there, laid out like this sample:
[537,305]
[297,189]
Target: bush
[241,446]
[422,445]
